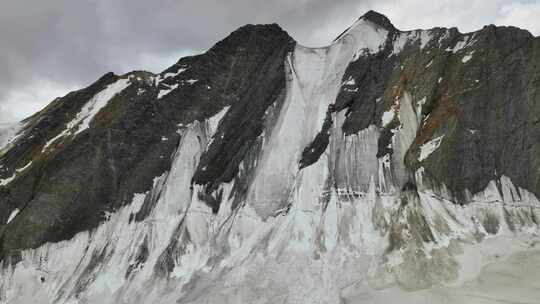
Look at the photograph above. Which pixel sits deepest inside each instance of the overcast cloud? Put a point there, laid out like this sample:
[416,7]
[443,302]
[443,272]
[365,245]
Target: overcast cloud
[51,47]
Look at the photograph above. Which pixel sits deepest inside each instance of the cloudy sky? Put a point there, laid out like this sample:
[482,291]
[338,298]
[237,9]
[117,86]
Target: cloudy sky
[51,47]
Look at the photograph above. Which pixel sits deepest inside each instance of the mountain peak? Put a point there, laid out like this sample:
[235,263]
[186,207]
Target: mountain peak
[379,19]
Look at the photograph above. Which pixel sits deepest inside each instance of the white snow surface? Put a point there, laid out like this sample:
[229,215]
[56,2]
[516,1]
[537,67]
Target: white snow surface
[171,87]
[315,76]
[162,77]
[12,215]
[350,82]
[467,57]
[94,105]
[165,92]
[429,147]
[6,181]
[363,36]
[24,167]
[468,41]
[404,38]
[169,75]
[9,133]
[82,120]
[420,105]
[338,231]
[191,81]
[388,116]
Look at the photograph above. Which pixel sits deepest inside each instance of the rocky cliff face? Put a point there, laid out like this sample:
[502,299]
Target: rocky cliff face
[387,164]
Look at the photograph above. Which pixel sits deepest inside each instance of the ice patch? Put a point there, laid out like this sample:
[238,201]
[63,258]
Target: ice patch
[350,81]
[82,120]
[170,88]
[6,181]
[462,44]
[388,116]
[400,41]
[429,147]
[92,107]
[467,57]
[12,215]
[367,36]
[420,105]
[425,38]
[213,122]
[24,168]
[403,38]
[168,75]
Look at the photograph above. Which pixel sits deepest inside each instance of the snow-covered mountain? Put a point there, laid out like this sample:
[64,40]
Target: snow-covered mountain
[388,167]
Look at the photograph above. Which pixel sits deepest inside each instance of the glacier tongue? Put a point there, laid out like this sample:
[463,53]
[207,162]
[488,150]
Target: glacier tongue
[345,229]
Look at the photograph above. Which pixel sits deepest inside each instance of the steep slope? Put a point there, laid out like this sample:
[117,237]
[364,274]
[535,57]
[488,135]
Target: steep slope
[388,164]
[87,153]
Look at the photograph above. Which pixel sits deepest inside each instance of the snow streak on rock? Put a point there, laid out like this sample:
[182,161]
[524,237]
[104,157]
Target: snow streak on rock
[82,120]
[8,134]
[428,148]
[12,215]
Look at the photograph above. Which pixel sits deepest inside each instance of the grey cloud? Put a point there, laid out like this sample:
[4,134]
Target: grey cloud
[50,47]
